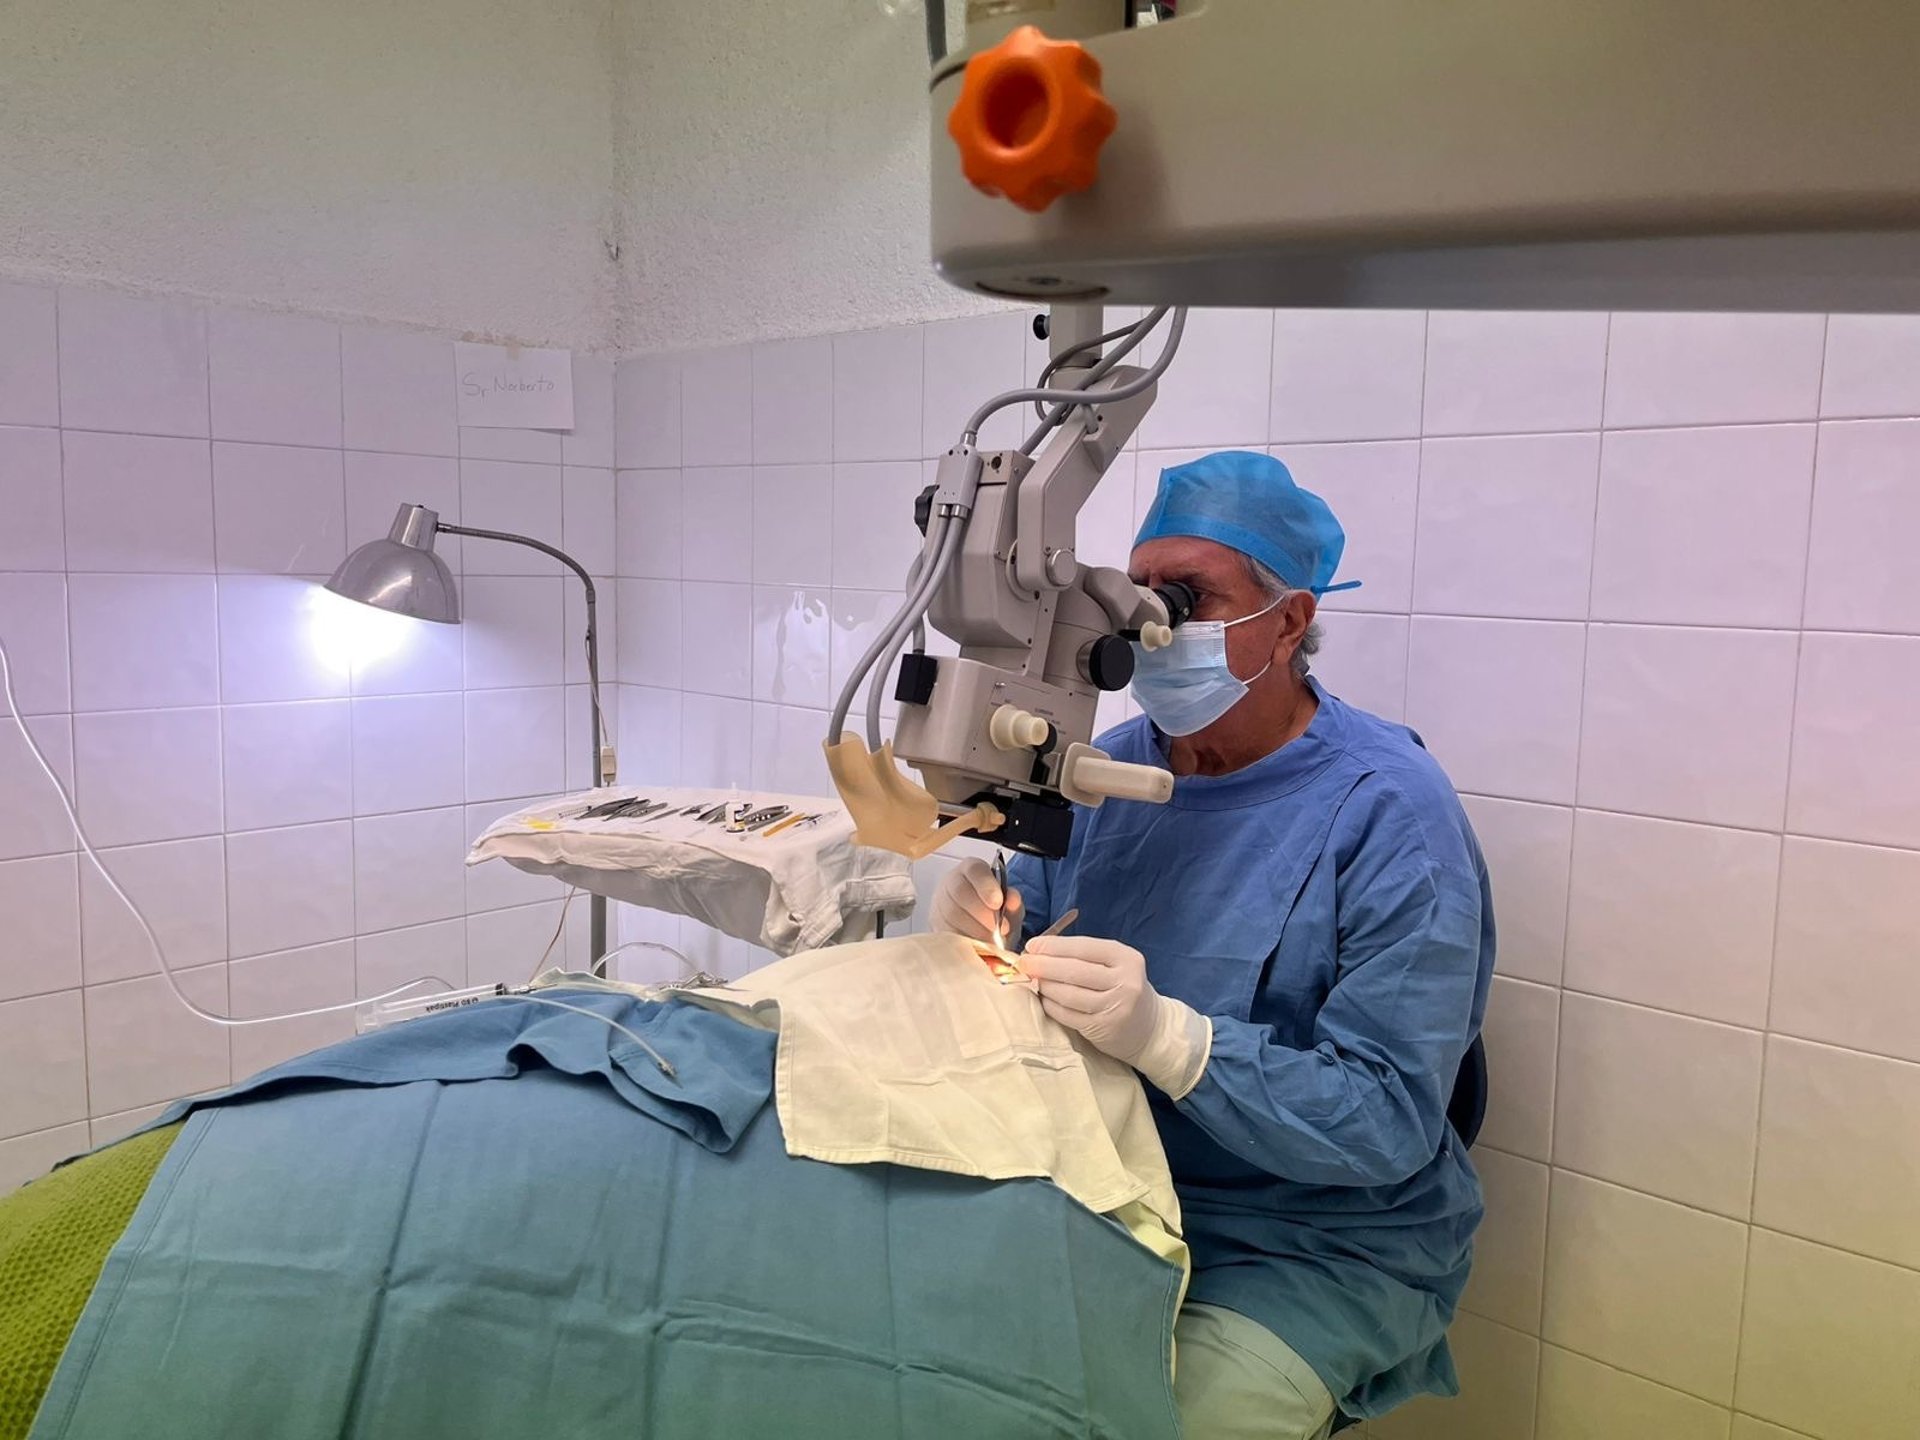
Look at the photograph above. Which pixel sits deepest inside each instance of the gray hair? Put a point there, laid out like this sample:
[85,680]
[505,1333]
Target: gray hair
[1275,589]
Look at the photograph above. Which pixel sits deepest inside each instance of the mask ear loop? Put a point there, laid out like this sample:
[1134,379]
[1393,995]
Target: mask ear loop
[1229,624]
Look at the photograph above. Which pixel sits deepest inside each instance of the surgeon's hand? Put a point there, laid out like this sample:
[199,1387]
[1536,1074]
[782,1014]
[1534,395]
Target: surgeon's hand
[968,902]
[1100,989]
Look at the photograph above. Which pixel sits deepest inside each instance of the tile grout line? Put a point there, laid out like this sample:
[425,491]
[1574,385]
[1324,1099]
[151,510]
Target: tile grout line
[1413,553]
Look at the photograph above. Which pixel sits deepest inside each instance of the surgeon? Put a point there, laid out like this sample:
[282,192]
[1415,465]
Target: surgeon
[1294,953]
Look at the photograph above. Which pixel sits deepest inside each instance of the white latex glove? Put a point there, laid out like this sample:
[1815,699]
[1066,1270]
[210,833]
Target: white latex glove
[968,901]
[1100,989]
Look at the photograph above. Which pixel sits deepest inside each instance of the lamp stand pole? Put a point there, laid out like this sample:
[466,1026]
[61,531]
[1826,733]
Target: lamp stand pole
[600,768]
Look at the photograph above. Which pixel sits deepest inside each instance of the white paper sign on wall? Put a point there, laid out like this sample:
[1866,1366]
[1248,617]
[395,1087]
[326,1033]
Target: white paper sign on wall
[509,387]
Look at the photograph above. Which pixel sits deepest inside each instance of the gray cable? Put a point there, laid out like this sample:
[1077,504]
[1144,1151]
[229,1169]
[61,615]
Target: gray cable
[1059,362]
[917,593]
[1053,418]
[899,633]
[1077,396]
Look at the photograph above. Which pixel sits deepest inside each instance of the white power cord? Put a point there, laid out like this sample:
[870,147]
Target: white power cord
[159,952]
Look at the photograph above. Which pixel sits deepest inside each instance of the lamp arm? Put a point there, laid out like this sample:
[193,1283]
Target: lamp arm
[600,774]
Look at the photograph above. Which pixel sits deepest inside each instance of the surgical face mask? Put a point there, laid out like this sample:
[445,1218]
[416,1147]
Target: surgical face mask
[1186,686]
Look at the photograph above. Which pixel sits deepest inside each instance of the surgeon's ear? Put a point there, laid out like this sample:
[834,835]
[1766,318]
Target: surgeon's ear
[1296,614]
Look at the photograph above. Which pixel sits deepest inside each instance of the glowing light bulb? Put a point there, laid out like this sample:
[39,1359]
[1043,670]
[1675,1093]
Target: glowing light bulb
[345,635]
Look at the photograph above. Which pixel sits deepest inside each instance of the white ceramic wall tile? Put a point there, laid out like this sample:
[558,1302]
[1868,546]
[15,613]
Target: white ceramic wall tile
[587,518]
[32,821]
[716,742]
[591,441]
[1704,527]
[1581,1399]
[144,1047]
[41,899]
[1363,660]
[716,407]
[716,518]
[516,500]
[649,639]
[1374,491]
[1506,526]
[858,616]
[378,485]
[513,628]
[394,958]
[289,888]
[1682,369]
[1850,1374]
[142,640]
[180,886]
[1843,970]
[285,638]
[148,774]
[1498,1372]
[716,627]
[1529,854]
[478,442]
[1688,724]
[874,539]
[506,946]
[1661,1103]
[32,497]
[29,356]
[792,640]
[1105,526]
[279,509]
[516,742]
[494,884]
[138,503]
[1522,1031]
[1873,366]
[283,984]
[793,401]
[650,735]
[968,362]
[1510,1248]
[877,399]
[287,764]
[793,524]
[573,643]
[107,1129]
[133,364]
[397,392]
[1346,374]
[1866,505]
[1221,385]
[1492,372]
[409,753]
[409,869]
[787,751]
[1840,1150]
[43,1065]
[1498,703]
[1644,1285]
[28,1157]
[33,626]
[1675,916]
[647,412]
[274,378]
[581,750]
[648,524]
[1854,737]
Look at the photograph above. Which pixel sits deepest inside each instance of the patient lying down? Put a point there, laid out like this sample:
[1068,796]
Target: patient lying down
[881,1194]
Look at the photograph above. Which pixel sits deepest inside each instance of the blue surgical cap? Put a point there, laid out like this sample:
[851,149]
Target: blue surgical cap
[1248,502]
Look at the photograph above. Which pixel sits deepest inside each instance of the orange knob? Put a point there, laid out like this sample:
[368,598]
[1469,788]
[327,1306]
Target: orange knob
[1030,119]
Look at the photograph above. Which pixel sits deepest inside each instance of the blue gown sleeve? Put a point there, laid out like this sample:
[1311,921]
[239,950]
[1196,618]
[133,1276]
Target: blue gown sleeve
[1033,878]
[1366,1105]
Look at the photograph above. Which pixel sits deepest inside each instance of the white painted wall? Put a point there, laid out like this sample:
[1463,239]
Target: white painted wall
[773,173]
[438,163]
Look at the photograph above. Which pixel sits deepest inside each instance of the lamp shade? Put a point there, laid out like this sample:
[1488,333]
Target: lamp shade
[401,573]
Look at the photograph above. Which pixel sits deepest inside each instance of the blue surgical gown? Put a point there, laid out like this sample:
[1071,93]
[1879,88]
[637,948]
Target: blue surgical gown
[1328,908]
